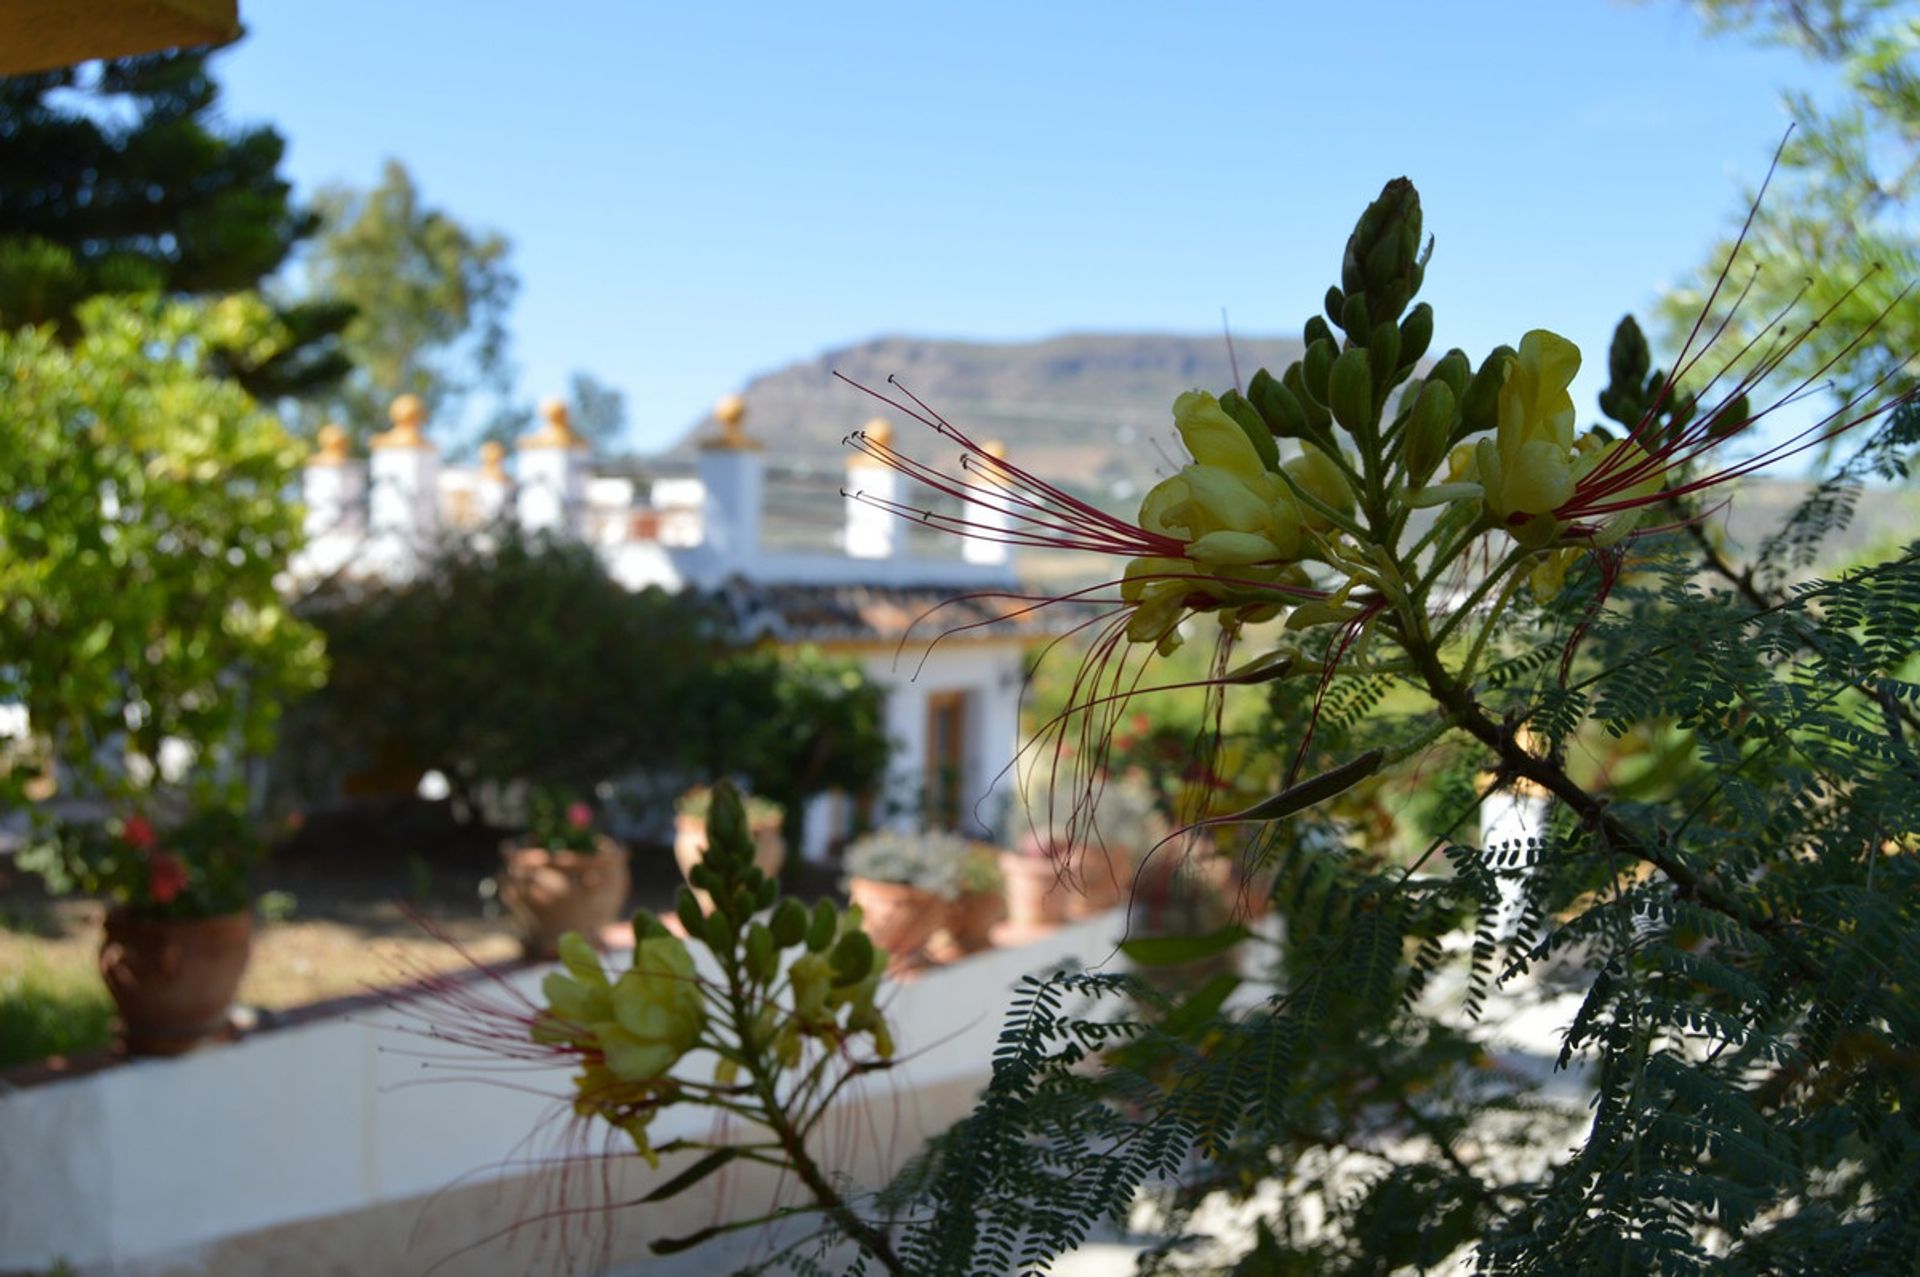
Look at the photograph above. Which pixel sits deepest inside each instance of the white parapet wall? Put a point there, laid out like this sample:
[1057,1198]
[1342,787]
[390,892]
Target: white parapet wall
[331,1147]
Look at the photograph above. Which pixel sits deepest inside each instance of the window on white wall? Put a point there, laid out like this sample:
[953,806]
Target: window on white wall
[946,779]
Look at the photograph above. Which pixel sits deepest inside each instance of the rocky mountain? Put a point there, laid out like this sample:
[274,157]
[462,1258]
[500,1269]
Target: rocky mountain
[1089,410]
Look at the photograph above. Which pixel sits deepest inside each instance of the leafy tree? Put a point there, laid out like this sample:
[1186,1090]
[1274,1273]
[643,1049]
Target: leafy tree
[509,660]
[144,520]
[599,411]
[1838,221]
[793,724]
[119,180]
[430,299]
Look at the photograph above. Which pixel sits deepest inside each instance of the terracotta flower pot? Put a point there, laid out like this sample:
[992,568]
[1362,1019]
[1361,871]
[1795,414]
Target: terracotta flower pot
[967,926]
[899,918]
[690,844]
[173,979]
[1098,880]
[1036,897]
[550,893]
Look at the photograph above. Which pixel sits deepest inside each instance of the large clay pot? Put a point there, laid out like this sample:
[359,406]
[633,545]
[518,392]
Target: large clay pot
[900,919]
[173,979]
[550,893]
[690,845]
[1036,897]
[967,926]
[1097,880]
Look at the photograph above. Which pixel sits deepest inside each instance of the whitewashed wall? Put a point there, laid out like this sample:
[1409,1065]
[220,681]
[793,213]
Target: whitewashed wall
[327,1148]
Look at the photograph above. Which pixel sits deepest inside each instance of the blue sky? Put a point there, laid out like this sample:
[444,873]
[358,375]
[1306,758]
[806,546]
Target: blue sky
[698,193]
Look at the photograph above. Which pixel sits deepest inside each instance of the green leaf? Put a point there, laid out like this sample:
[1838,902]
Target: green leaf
[693,1174]
[1200,1009]
[1168,951]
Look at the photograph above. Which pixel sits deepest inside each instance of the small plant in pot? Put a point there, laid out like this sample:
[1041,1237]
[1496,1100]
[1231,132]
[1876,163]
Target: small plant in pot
[690,836]
[903,882]
[978,903]
[1074,854]
[563,874]
[179,930]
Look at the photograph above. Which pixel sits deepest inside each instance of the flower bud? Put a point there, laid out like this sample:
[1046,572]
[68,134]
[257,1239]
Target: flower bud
[1456,370]
[789,923]
[1416,334]
[718,931]
[646,927]
[728,841]
[1316,366]
[1429,427]
[688,908]
[1276,405]
[1316,329]
[1480,406]
[852,958]
[1350,391]
[1353,316]
[761,959]
[820,930]
[766,893]
[1383,350]
[1318,418]
[1235,405]
[1335,304]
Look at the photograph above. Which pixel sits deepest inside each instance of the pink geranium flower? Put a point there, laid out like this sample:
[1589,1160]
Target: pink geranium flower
[579,816]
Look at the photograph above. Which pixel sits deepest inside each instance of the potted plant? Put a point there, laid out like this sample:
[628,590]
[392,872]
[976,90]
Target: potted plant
[1075,858]
[179,928]
[563,874]
[978,903]
[902,882]
[690,836]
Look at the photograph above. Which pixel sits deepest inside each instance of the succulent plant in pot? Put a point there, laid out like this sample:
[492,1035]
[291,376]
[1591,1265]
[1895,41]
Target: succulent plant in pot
[978,903]
[902,882]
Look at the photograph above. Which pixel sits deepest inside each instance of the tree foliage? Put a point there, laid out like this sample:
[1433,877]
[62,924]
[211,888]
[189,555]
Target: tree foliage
[430,297]
[120,180]
[1837,230]
[144,519]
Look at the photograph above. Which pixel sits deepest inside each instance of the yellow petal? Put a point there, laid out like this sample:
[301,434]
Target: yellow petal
[1231,549]
[1538,478]
[1214,438]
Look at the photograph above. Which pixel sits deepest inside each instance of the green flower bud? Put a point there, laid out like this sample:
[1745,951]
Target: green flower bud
[718,930]
[1416,334]
[646,927]
[1317,329]
[820,931]
[1429,429]
[1456,370]
[767,892]
[789,923]
[1383,350]
[1335,304]
[687,906]
[1480,406]
[702,878]
[1235,405]
[1350,391]
[762,960]
[728,842]
[1318,418]
[1353,318]
[1276,405]
[1316,367]
[852,958]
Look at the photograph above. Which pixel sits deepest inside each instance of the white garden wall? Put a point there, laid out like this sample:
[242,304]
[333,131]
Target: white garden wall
[328,1148]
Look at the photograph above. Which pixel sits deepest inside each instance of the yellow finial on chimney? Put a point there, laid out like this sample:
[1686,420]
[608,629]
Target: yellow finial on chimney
[557,432]
[335,446]
[731,413]
[408,416]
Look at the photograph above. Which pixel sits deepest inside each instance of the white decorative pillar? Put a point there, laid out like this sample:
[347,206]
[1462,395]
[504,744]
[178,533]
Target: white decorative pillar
[873,531]
[491,486]
[334,488]
[553,474]
[732,477]
[406,488]
[984,548]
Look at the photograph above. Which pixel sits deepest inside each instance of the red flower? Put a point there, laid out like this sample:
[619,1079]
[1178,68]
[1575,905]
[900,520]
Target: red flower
[138,833]
[579,816]
[166,877]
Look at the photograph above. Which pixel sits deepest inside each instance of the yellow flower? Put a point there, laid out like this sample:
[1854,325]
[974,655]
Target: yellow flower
[1528,467]
[1228,507]
[657,1012]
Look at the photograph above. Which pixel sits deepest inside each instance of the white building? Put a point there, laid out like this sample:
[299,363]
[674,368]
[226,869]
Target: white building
[952,710]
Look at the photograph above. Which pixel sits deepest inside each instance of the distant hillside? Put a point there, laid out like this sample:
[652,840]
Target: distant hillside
[1091,413]
[1090,410]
